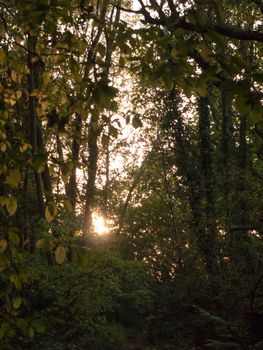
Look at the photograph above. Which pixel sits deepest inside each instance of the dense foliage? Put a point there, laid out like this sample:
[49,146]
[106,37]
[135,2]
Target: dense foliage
[148,114]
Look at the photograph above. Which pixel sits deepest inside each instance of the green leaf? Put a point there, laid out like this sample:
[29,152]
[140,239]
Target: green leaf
[31,332]
[39,327]
[40,162]
[66,170]
[60,254]
[5,327]
[14,177]
[22,324]
[68,206]
[14,237]
[136,122]
[4,263]
[17,302]
[220,40]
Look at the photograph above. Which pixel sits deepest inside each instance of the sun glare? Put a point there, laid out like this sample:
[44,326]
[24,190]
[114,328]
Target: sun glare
[99,224]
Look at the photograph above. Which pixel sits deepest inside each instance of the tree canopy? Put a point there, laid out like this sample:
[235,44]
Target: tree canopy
[131,148]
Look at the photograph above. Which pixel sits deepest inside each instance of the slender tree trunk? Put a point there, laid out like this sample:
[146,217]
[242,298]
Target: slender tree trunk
[93,134]
[33,122]
[226,155]
[209,235]
[243,166]
[198,175]
[71,188]
[92,171]
[46,179]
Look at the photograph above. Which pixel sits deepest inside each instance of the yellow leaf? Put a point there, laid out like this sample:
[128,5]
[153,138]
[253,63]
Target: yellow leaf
[13,178]
[3,200]
[18,94]
[13,75]
[41,243]
[40,111]
[34,59]
[10,100]
[46,78]
[3,168]
[11,205]
[44,244]
[17,281]
[2,57]
[50,211]
[18,39]
[174,52]
[34,92]
[3,245]
[60,254]
[63,99]
[25,146]
[4,263]
[3,146]
[17,302]
[44,105]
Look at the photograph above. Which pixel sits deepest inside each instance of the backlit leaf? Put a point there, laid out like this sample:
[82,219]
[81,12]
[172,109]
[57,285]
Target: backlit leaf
[60,254]
[46,78]
[3,245]
[50,211]
[14,177]
[11,205]
[17,302]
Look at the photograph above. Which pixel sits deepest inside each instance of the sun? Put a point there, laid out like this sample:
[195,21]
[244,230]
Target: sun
[99,224]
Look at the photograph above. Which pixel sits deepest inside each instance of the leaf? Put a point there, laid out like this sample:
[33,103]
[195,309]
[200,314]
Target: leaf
[3,245]
[219,39]
[105,140]
[136,122]
[31,332]
[3,147]
[44,105]
[17,282]
[39,327]
[5,327]
[46,78]
[40,162]
[14,76]
[50,211]
[66,170]
[11,205]
[68,206]
[4,263]
[60,254]
[17,301]
[14,237]
[22,324]
[2,57]
[25,147]
[41,243]
[44,244]
[14,177]
[18,94]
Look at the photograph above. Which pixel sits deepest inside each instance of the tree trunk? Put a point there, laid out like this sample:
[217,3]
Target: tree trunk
[33,122]
[71,188]
[208,241]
